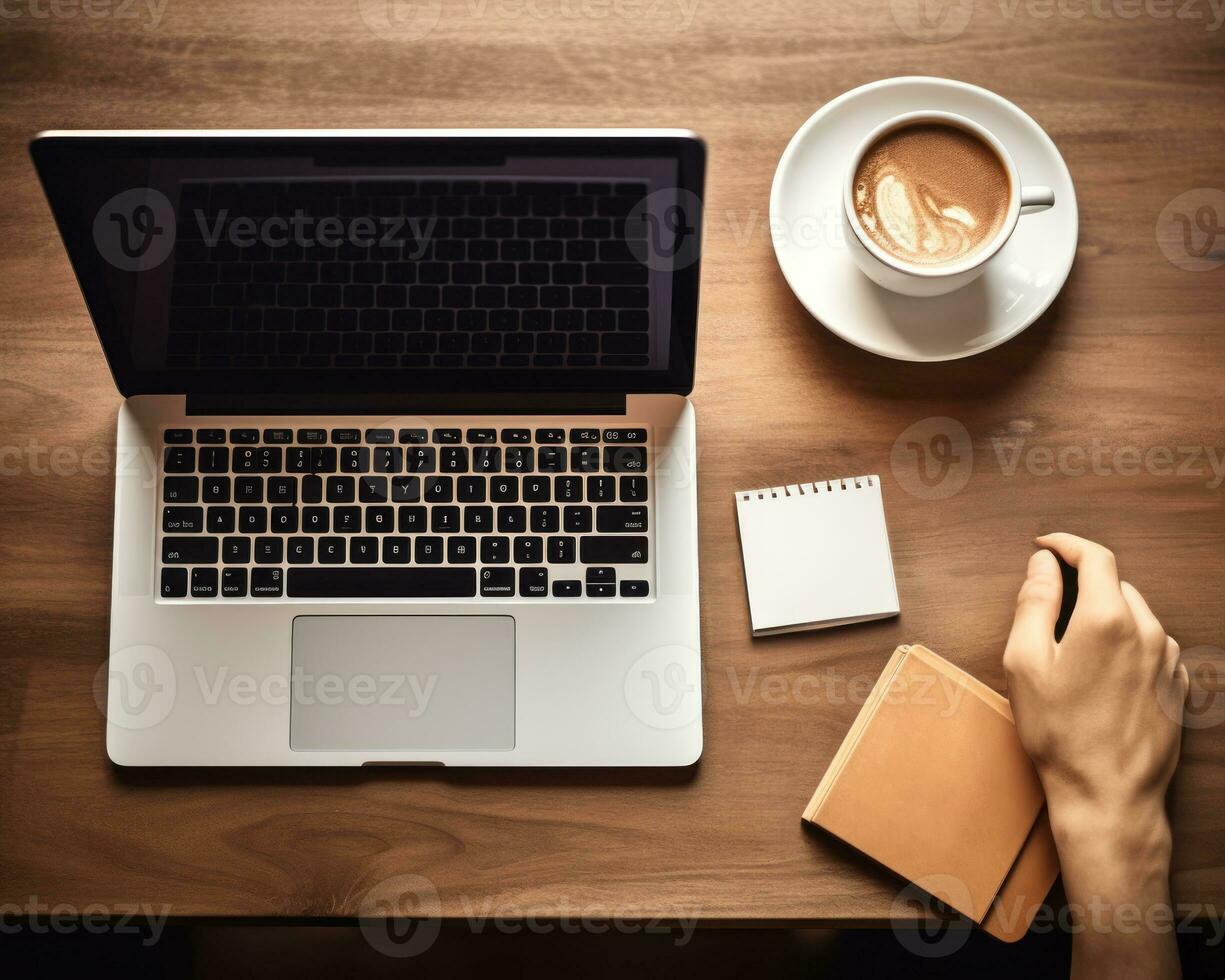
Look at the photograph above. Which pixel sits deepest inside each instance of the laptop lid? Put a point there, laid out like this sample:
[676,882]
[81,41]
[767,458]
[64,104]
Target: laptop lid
[389,261]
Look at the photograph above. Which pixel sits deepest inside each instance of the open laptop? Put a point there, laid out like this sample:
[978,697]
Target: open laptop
[405,468]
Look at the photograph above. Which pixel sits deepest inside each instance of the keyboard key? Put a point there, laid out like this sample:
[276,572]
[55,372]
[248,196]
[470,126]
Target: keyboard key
[600,590]
[244,436]
[380,520]
[220,520]
[620,520]
[405,489]
[444,520]
[568,489]
[312,489]
[520,459]
[529,550]
[447,436]
[364,551]
[412,436]
[189,551]
[622,436]
[268,583]
[620,550]
[387,459]
[516,435]
[346,436]
[372,489]
[252,520]
[183,520]
[438,489]
[316,520]
[482,435]
[236,551]
[495,550]
[214,459]
[551,459]
[567,589]
[269,551]
[203,583]
[412,520]
[215,489]
[584,435]
[601,489]
[497,582]
[174,583]
[285,520]
[470,489]
[179,459]
[331,551]
[234,583]
[504,489]
[347,520]
[625,459]
[576,520]
[453,459]
[420,459]
[354,459]
[512,520]
[396,551]
[300,551]
[210,436]
[341,490]
[550,435]
[379,436]
[633,489]
[478,520]
[533,582]
[323,459]
[278,437]
[545,520]
[461,550]
[585,459]
[282,490]
[561,550]
[312,436]
[487,459]
[298,459]
[176,435]
[428,550]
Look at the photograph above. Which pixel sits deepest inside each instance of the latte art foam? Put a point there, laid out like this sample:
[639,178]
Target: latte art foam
[931,193]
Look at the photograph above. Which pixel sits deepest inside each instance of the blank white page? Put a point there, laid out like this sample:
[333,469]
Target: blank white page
[816,554]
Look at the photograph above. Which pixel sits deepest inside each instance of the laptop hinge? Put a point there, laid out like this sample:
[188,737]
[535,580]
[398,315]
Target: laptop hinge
[425,403]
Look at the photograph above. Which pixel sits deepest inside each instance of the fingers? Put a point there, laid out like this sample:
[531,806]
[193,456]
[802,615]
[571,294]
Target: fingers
[1097,573]
[1033,627]
[1148,625]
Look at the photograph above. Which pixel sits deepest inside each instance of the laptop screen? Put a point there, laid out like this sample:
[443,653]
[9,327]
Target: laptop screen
[307,263]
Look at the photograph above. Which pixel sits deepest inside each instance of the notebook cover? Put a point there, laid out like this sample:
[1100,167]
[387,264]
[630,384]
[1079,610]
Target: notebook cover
[932,782]
[816,554]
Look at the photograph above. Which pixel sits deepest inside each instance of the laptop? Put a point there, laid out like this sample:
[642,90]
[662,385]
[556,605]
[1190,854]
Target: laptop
[405,468]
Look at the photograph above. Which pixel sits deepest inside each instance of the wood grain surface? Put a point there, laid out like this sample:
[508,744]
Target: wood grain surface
[1131,355]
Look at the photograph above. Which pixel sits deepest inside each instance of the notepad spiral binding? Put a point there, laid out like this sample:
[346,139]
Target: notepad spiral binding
[809,489]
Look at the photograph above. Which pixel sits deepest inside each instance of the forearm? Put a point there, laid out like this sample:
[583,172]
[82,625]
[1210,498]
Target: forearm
[1115,864]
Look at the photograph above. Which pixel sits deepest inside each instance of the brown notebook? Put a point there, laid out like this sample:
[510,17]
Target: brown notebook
[932,782]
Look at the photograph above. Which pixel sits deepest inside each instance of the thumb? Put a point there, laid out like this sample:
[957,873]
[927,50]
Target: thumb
[1033,626]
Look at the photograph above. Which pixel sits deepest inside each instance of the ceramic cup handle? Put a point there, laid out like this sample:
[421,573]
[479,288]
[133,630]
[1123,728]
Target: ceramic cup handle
[1036,198]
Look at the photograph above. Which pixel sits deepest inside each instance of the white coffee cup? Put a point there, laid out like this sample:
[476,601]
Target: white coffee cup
[912,279]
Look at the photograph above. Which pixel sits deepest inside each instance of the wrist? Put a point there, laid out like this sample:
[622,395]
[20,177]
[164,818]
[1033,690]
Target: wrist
[1111,851]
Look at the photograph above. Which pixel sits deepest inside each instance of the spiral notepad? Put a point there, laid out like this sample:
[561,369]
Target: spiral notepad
[816,555]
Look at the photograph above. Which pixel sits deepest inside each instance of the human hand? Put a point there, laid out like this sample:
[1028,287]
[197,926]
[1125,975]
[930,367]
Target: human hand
[1099,713]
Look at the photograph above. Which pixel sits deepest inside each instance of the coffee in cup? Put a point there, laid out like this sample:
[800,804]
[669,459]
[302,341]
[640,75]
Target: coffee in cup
[931,193]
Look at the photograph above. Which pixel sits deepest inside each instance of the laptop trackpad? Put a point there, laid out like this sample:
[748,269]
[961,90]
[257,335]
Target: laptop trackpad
[403,684]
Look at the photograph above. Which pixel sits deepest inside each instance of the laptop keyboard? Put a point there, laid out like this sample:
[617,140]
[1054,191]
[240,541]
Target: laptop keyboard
[445,513]
[447,273]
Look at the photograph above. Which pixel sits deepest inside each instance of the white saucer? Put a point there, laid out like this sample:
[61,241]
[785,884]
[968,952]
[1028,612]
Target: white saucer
[805,219]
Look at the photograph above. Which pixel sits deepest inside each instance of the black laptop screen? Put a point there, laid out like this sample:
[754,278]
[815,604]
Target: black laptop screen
[359,264]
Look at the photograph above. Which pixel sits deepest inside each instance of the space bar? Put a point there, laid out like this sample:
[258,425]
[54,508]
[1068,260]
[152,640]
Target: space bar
[381,583]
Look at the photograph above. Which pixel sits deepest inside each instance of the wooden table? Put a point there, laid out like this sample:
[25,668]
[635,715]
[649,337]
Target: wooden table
[1130,356]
